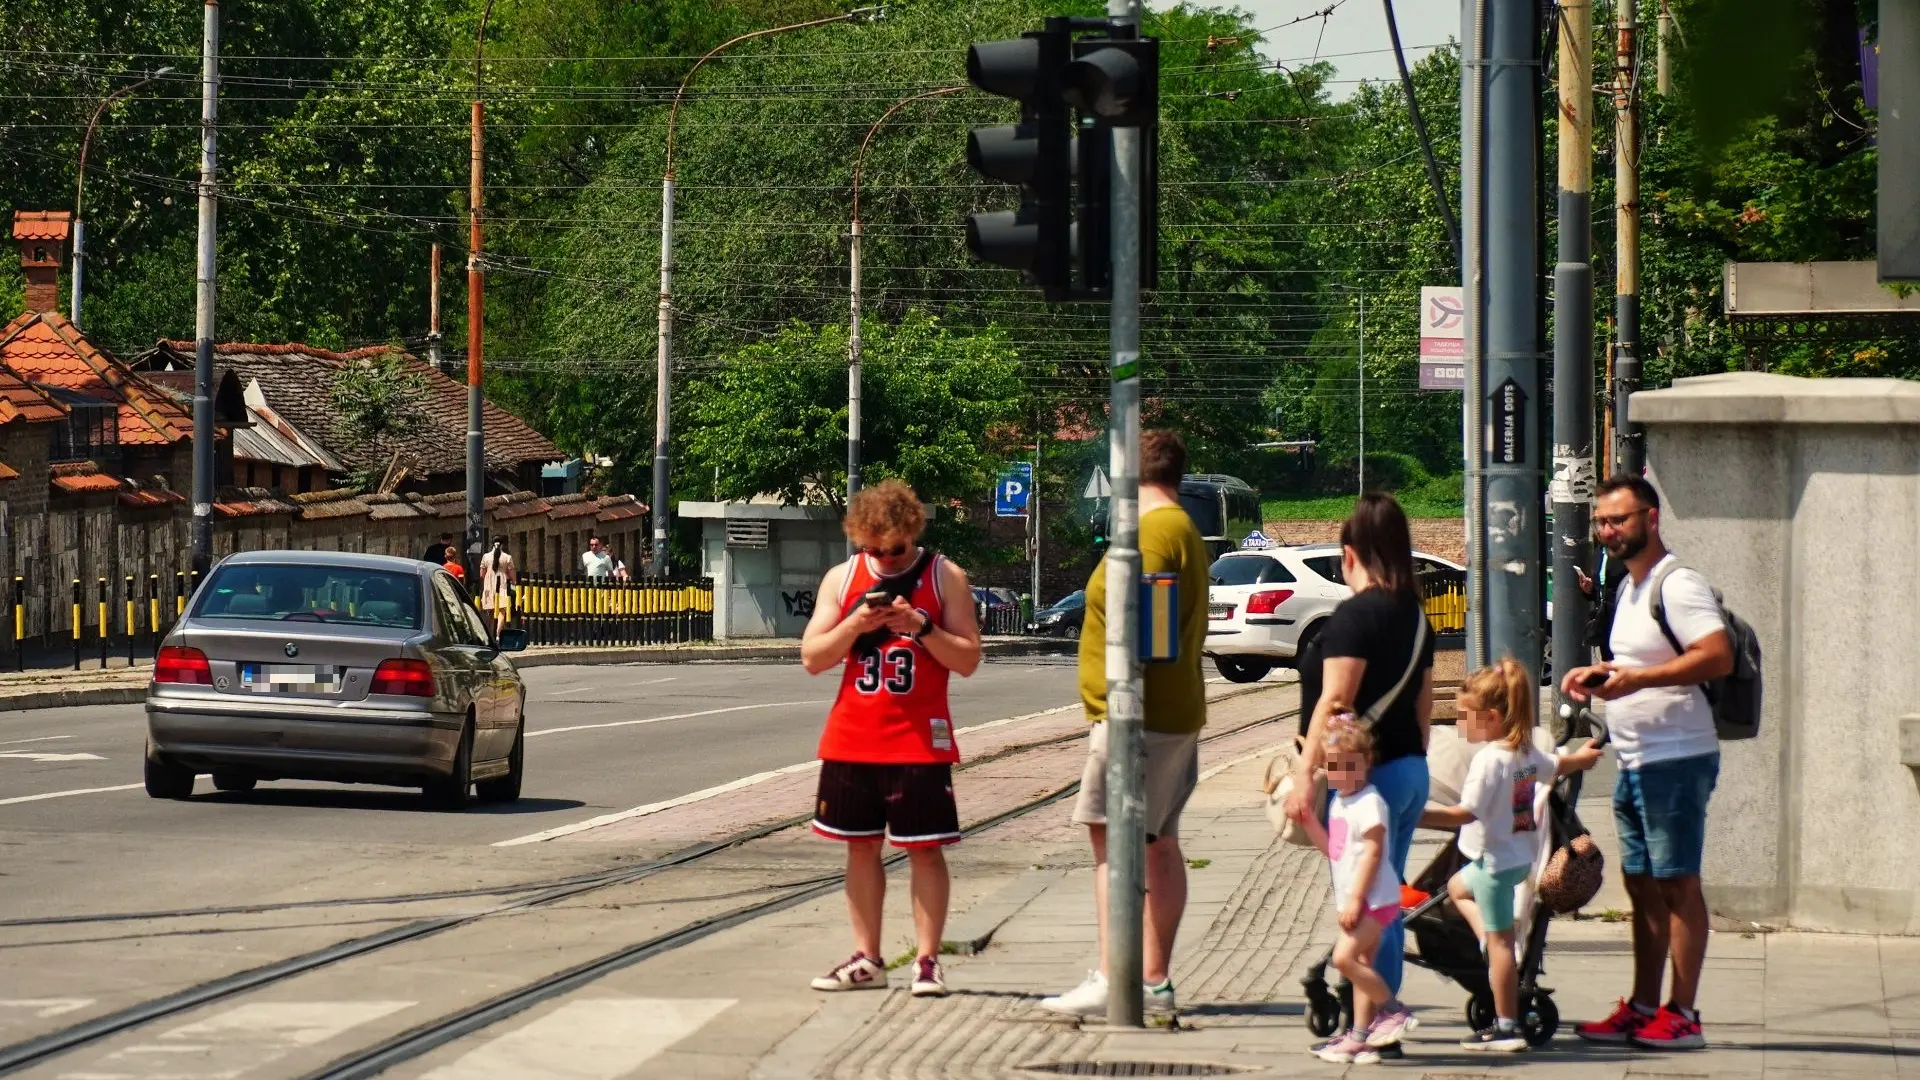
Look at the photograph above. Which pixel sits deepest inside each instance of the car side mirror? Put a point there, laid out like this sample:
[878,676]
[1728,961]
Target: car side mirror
[513,639]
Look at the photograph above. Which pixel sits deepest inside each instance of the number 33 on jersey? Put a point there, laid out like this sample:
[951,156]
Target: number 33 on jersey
[892,705]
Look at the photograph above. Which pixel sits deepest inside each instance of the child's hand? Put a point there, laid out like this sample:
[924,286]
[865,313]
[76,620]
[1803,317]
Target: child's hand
[1582,759]
[1350,915]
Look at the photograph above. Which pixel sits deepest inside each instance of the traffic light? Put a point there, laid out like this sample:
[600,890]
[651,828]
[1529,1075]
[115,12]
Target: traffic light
[1060,237]
[1034,154]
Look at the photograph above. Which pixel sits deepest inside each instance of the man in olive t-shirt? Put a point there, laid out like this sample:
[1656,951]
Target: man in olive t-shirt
[1176,709]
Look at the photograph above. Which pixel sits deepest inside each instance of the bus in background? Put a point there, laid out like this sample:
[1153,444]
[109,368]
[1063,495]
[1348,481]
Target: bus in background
[1225,509]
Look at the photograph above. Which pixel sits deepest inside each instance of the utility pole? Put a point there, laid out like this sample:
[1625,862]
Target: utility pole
[476,531]
[80,191]
[200,536]
[1502,218]
[1573,472]
[1361,343]
[1629,450]
[1126,708]
[1033,515]
[433,315]
[1663,74]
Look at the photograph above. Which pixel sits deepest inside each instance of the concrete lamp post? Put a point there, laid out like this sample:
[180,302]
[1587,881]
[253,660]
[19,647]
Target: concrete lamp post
[80,188]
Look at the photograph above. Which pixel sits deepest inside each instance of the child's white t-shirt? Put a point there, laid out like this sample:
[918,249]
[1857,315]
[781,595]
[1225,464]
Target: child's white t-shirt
[1500,790]
[1347,822]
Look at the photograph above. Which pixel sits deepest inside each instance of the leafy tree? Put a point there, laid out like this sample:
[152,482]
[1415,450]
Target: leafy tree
[379,402]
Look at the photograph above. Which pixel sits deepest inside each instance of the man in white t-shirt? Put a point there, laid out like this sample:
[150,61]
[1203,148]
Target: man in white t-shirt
[599,563]
[1669,759]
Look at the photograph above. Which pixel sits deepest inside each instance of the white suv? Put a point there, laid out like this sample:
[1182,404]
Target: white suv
[1263,607]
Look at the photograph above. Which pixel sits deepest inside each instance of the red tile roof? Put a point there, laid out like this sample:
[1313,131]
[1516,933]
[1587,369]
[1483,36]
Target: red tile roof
[8,472]
[18,401]
[82,477]
[43,347]
[41,224]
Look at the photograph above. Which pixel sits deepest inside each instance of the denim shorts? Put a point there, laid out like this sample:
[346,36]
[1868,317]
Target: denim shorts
[1660,810]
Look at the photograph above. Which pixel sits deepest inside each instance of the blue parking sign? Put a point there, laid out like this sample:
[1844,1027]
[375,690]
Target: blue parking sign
[1011,490]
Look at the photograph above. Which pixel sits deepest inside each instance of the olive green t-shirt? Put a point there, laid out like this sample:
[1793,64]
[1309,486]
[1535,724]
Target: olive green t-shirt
[1175,692]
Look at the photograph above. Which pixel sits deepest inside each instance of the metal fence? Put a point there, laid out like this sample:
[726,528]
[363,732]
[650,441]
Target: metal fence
[124,616]
[596,611]
[1002,618]
[1443,593]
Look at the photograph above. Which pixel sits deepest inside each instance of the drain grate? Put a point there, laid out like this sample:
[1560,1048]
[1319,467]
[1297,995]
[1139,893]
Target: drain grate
[1131,1068]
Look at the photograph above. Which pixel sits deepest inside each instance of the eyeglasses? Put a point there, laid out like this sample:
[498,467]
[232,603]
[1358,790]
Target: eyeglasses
[893,552]
[1614,521]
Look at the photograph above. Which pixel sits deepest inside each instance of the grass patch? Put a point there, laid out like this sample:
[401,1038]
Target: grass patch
[1613,915]
[1436,497]
[1199,864]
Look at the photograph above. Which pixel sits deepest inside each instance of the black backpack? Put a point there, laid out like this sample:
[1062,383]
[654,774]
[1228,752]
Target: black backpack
[1735,698]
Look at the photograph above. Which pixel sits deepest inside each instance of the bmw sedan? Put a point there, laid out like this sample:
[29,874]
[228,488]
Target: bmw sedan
[325,665]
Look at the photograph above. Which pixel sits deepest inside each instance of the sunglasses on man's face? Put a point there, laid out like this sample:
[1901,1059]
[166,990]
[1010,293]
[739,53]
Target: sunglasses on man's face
[893,552]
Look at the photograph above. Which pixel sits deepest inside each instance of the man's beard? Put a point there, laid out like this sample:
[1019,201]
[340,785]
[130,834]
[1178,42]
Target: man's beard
[1626,547]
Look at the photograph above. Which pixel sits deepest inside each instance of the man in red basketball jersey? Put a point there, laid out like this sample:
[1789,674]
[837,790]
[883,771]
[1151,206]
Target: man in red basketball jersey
[901,618]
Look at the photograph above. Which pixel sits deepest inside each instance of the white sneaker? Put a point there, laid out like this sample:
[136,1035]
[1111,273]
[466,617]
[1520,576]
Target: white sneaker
[860,972]
[1087,999]
[1159,998]
[929,980]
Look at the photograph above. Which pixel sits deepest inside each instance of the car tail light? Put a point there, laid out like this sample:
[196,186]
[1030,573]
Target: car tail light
[1268,602]
[411,678]
[179,664]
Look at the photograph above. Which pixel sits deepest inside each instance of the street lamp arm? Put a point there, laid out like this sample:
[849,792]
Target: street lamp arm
[673,114]
[480,45]
[860,162]
[86,142]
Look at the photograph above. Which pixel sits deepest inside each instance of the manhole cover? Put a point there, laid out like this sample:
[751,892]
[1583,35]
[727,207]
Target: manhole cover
[1131,1068]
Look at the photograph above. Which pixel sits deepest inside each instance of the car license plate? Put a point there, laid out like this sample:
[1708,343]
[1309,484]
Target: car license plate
[289,678]
[1217,612]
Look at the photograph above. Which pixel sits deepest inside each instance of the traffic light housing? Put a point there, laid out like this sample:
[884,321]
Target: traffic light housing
[1060,237]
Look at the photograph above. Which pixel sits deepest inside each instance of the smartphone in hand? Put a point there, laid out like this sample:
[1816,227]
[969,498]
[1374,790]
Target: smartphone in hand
[878,598]
[1598,678]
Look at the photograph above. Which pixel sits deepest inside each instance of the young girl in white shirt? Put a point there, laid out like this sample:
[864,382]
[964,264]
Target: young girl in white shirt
[1497,828]
[1366,891]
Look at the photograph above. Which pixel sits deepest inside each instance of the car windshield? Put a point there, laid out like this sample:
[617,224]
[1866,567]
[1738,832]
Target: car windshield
[1069,602]
[329,594]
[1204,508]
[1247,570]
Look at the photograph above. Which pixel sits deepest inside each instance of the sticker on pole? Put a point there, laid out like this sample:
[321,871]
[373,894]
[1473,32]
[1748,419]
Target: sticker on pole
[1573,480]
[1159,638]
[1443,338]
[1507,424]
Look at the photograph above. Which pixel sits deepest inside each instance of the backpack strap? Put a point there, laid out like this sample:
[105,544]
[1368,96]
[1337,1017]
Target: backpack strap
[1379,708]
[1658,603]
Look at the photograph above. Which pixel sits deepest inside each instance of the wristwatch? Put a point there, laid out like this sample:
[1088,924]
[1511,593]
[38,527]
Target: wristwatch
[926,626]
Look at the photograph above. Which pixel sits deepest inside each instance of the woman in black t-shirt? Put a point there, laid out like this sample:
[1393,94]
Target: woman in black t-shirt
[1365,648]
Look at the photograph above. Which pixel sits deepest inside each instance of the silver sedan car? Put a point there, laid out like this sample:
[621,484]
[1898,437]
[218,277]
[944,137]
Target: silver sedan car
[326,665]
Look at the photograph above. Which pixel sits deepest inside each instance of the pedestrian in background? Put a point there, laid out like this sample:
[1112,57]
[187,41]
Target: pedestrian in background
[1376,652]
[599,564]
[1669,753]
[497,581]
[1175,701]
[441,550]
[901,618]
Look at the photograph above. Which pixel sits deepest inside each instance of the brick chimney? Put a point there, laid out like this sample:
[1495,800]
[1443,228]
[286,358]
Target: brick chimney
[42,235]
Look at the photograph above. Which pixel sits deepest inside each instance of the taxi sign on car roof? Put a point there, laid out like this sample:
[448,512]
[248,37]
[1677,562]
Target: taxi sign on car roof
[1257,541]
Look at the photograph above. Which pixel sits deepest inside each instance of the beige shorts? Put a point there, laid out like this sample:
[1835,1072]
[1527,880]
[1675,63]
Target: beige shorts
[1172,771]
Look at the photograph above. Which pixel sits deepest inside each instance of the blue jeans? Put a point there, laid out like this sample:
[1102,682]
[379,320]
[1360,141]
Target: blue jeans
[1660,812]
[1402,782]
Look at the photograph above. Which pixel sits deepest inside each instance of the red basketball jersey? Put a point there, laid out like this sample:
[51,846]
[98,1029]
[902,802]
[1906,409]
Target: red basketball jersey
[892,707]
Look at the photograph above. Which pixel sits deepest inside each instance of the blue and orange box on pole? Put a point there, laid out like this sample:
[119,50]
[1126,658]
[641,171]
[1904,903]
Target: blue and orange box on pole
[1159,639]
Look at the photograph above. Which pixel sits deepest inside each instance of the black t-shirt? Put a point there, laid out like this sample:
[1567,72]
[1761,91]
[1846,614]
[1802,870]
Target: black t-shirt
[1377,626]
[437,553]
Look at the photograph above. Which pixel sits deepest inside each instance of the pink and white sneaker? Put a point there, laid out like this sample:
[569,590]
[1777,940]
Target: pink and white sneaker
[860,972]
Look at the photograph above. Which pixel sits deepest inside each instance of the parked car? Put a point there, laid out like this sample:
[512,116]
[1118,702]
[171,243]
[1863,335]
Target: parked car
[1062,618]
[322,665]
[1263,607]
[998,609]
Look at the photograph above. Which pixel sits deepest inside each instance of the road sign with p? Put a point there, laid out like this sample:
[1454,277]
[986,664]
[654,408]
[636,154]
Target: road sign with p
[1011,491]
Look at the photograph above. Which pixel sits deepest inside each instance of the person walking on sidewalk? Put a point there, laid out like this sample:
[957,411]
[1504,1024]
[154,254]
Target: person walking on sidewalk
[1366,891]
[1669,755]
[1176,708]
[497,581]
[901,617]
[1377,652]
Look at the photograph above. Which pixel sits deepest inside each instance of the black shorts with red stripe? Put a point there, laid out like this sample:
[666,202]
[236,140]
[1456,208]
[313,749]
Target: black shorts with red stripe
[910,805]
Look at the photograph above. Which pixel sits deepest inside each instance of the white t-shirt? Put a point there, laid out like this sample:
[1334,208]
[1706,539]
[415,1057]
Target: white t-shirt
[1347,822]
[1500,789]
[598,564]
[1663,723]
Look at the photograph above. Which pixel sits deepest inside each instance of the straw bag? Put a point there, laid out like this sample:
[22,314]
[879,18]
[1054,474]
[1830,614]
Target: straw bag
[1278,788]
[1573,875]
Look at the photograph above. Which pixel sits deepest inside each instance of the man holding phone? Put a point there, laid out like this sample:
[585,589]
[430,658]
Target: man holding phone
[902,618]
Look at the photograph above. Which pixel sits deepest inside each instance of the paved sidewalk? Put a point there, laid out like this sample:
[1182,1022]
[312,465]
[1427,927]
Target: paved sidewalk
[1775,1005]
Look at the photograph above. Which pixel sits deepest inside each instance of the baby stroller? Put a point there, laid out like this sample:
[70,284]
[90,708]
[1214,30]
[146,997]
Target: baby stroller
[1446,945]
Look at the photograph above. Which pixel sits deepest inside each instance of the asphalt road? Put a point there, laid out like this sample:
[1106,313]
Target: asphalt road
[78,833]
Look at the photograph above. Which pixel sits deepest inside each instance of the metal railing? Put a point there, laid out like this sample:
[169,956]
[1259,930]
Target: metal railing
[1444,595]
[597,611]
[1002,619]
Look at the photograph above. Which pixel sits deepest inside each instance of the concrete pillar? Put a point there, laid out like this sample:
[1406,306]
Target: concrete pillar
[1800,499]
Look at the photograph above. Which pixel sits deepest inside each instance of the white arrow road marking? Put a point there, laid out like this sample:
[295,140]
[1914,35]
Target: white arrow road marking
[64,794]
[43,738]
[41,755]
[586,1040]
[237,1041]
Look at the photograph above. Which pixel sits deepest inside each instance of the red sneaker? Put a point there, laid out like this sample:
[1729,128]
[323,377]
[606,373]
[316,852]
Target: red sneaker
[1668,1030]
[1620,1027]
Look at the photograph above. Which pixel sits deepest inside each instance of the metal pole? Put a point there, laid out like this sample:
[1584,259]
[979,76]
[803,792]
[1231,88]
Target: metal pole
[663,384]
[1473,233]
[1126,758]
[1626,358]
[853,366]
[433,316]
[200,536]
[1573,404]
[1663,72]
[1510,187]
[476,531]
[1629,451]
[1033,517]
[1363,390]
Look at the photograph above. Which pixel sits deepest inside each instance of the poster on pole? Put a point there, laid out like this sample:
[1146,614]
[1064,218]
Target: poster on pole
[1443,338]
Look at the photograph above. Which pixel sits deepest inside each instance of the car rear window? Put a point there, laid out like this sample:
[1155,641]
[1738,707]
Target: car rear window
[328,594]
[1327,566]
[1247,570]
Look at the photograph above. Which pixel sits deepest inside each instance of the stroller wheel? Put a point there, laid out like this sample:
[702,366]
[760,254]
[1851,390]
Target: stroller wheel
[1480,1014]
[1540,1019]
[1323,1015]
